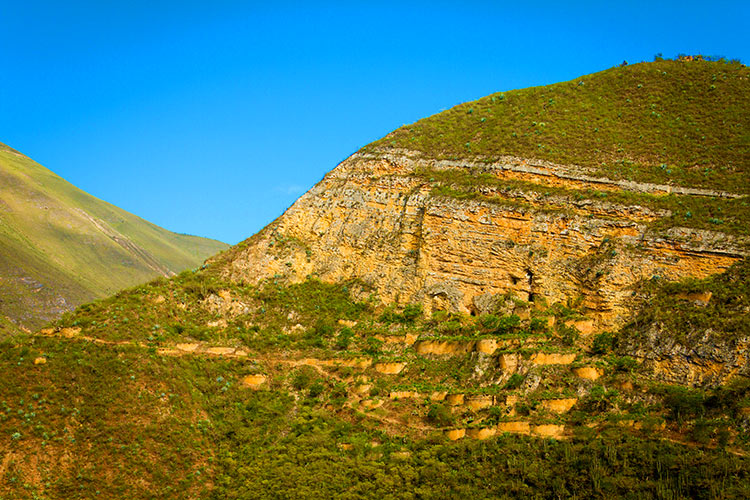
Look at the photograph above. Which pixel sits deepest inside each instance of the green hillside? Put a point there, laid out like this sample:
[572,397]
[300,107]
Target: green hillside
[60,246]
[149,395]
[672,121]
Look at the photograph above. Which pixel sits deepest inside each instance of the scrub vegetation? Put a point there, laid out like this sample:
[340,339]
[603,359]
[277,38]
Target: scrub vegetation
[123,399]
[679,121]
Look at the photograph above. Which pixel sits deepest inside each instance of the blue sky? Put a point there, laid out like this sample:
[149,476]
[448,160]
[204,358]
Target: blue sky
[211,118]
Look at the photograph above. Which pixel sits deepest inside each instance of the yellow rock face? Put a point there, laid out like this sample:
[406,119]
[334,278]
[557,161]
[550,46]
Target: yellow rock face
[559,405]
[487,346]
[390,368]
[371,218]
[549,430]
[254,381]
[543,358]
[438,396]
[588,372]
[483,433]
[403,394]
[371,404]
[478,402]
[508,362]
[455,399]
[187,347]
[362,388]
[584,326]
[442,347]
[70,332]
[514,427]
[220,351]
[455,434]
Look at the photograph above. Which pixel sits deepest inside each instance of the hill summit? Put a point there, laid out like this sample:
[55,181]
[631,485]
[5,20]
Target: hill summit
[462,208]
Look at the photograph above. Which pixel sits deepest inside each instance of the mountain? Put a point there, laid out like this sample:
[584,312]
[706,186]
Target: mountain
[60,247]
[473,203]
[454,311]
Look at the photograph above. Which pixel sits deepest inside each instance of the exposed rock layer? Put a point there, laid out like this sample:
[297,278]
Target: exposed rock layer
[375,218]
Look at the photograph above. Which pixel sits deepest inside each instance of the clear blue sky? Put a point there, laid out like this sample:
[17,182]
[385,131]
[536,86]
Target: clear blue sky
[211,118]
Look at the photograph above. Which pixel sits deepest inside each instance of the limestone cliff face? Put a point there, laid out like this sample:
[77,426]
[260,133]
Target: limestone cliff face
[377,217]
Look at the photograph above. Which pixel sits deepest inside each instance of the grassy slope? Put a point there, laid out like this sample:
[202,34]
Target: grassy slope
[680,122]
[7,328]
[127,422]
[51,231]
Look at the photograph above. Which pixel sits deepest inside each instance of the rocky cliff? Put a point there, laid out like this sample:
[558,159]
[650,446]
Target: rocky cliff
[390,219]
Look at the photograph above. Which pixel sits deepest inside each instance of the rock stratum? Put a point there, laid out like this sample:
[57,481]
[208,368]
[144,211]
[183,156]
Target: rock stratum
[380,218]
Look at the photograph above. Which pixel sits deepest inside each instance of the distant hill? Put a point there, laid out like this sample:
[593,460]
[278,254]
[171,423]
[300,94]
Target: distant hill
[60,246]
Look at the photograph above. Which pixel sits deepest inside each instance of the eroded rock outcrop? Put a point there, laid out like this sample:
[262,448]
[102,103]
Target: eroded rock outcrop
[379,219]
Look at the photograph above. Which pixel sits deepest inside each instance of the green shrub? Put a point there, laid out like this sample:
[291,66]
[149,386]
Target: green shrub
[412,312]
[508,324]
[538,325]
[622,363]
[439,415]
[316,337]
[316,390]
[568,335]
[302,378]
[343,339]
[599,400]
[488,321]
[603,343]
[682,402]
[514,382]
[372,346]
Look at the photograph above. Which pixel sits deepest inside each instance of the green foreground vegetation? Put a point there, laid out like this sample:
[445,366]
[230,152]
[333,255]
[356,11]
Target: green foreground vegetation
[127,420]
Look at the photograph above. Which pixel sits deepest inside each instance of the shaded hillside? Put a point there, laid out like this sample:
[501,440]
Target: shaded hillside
[60,247]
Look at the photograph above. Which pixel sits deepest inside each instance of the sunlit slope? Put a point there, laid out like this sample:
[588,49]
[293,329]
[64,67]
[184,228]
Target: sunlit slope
[62,246]
[682,121]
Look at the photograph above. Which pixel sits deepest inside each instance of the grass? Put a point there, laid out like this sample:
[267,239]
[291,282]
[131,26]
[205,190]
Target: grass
[113,423]
[666,122]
